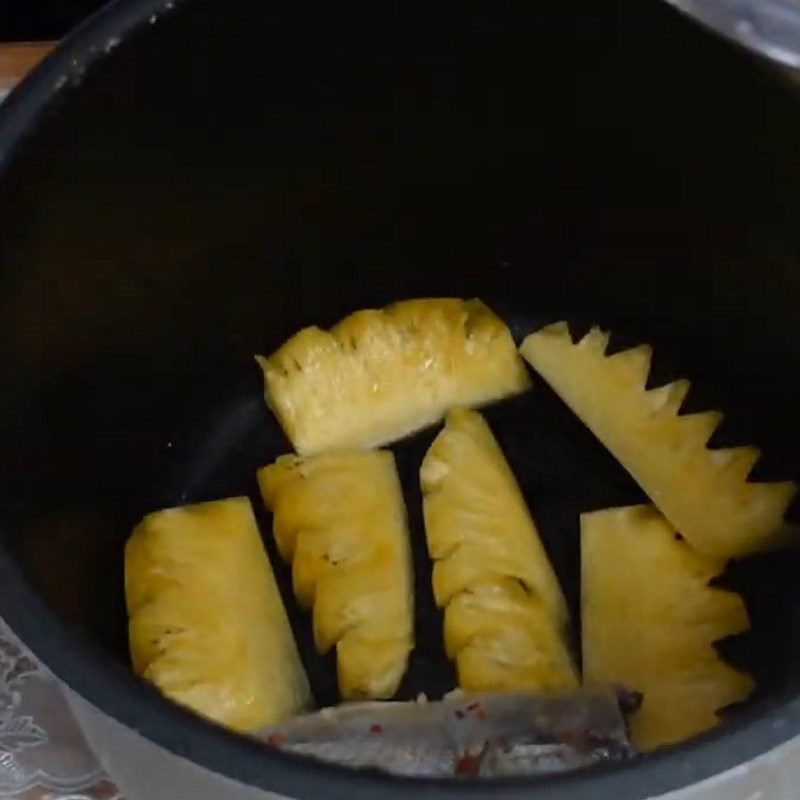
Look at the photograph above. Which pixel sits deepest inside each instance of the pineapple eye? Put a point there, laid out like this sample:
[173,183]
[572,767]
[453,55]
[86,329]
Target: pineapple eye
[408,333]
[524,586]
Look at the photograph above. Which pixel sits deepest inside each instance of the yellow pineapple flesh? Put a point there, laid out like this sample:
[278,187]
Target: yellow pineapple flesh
[379,375]
[505,618]
[339,519]
[206,621]
[650,620]
[704,493]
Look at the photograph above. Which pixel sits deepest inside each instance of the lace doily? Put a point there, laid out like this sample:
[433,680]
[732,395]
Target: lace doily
[43,755]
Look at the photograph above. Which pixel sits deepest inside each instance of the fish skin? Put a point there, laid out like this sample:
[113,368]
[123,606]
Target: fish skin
[466,734]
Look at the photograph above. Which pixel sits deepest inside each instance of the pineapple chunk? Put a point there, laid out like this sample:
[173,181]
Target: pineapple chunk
[650,619]
[207,624]
[339,519]
[379,375]
[703,493]
[505,618]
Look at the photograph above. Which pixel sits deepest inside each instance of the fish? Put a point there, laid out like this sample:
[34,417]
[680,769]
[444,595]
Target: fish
[482,734]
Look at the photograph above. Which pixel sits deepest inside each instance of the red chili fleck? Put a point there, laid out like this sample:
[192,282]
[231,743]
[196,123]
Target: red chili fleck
[275,740]
[481,714]
[459,713]
[469,763]
[472,706]
[376,729]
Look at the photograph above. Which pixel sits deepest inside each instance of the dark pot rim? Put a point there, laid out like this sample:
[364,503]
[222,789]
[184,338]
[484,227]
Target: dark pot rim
[110,687]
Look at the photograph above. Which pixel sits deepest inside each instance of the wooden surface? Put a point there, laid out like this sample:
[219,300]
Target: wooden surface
[17,59]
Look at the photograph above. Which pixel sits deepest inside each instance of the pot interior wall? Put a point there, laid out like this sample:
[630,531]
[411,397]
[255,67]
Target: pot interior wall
[225,177]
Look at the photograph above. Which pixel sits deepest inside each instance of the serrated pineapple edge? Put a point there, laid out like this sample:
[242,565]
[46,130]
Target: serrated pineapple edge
[339,520]
[651,619]
[705,493]
[500,637]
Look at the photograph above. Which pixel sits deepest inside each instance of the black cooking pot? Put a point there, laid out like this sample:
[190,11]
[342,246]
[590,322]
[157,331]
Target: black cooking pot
[184,187]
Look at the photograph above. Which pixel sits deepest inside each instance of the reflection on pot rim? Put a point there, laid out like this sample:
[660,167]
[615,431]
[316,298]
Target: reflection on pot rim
[768,27]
